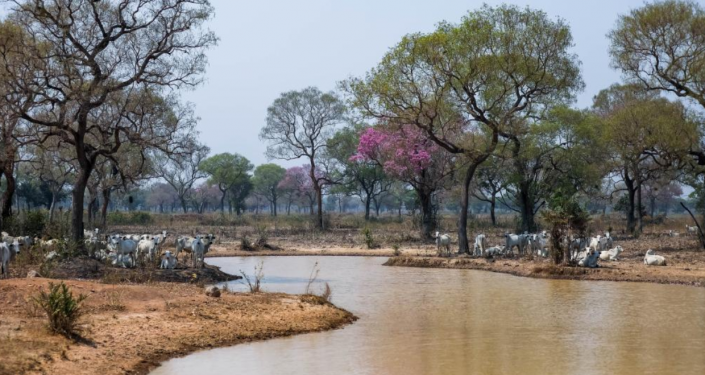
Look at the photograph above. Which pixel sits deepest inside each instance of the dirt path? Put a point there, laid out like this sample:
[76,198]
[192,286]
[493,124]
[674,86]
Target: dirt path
[132,328]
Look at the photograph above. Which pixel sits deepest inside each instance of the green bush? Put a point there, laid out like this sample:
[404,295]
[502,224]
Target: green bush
[62,309]
[369,241]
[31,224]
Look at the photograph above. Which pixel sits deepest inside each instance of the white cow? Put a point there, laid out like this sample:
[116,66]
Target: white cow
[651,259]
[123,247]
[480,245]
[518,240]
[611,254]
[493,251]
[605,242]
[691,231]
[199,250]
[147,248]
[442,241]
[588,258]
[168,261]
[91,233]
[672,233]
[5,256]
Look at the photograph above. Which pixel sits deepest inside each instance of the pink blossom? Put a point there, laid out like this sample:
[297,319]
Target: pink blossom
[401,153]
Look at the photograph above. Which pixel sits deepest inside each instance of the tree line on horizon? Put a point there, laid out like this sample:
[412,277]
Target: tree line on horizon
[479,112]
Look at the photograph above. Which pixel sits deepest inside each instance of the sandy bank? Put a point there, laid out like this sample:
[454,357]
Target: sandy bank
[677,273]
[132,328]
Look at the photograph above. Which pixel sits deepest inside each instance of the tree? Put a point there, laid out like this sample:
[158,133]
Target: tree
[226,172]
[406,154]
[361,176]
[463,85]
[299,124]
[492,179]
[182,171]
[161,194]
[96,53]
[266,182]
[647,135]
[53,166]
[661,46]
[296,184]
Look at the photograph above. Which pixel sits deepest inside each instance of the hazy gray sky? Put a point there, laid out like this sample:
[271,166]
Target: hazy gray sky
[271,46]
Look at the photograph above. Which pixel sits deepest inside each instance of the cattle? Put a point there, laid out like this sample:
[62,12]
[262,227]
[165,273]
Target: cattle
[168,261]
[651,259]
[611,254]
[198,248]
[442,241]
[691,230]
[123,247]
[520,241]
[147,248]
[588,258]
[480,245]
[5,256]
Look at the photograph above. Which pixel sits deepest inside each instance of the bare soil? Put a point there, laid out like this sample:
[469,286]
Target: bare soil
[130,329]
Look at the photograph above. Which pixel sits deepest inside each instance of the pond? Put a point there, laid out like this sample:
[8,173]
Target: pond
[441,321]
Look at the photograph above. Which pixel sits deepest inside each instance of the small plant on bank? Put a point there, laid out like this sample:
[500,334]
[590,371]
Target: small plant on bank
[369,240]
[397,249]
[327,293]
[63,310]
[312,278]
[254,283]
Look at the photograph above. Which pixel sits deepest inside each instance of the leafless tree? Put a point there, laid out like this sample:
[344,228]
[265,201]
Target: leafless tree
[182,171]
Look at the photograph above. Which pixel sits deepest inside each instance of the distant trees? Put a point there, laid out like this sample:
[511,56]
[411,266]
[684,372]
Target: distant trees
[297,186]
[299,125]
[228,172]
[182,171]
[266,180]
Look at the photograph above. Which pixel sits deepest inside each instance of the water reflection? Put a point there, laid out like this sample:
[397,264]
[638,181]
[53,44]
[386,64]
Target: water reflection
[425,321]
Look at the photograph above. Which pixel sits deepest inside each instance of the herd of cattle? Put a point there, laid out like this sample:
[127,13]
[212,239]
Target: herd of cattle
[584,251]
[124,250]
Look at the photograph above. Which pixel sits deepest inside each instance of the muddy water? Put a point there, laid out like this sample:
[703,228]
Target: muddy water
[425,321]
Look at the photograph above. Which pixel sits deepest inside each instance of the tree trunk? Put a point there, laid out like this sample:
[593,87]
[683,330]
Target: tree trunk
[526,206]
[104,208]
[222,201]
[79,189]
[183,204]
[493,205]
[463,246]
[427,221]
[319,198]
[8,195]
[631,220]
[52,207]
[368,201]
[640,213]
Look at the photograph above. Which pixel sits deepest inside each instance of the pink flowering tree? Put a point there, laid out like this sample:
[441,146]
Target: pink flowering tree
[406,154]
[297,186]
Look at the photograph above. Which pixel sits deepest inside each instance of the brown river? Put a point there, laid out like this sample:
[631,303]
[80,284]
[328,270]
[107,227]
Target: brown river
[430,321]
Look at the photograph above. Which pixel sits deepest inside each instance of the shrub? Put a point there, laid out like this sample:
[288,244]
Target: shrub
[62,309]
[327,293]
[255,283]
[397,249]
[369,241]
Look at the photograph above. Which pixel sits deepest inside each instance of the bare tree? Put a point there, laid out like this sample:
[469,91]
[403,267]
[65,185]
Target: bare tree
[299,125]
[95,52]
[182,171]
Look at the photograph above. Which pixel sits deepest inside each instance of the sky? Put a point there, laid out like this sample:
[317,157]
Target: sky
[272,46]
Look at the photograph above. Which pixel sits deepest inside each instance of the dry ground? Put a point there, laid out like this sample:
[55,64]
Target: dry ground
[132,328]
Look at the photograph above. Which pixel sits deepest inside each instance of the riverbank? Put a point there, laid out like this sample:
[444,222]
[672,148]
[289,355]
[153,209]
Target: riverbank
[130,329]
[678,273]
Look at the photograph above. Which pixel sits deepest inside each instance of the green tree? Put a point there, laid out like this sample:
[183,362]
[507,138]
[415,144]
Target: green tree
[647,136]
[226,172]
[661,46]
[364,179]
[466,84]
[266,182]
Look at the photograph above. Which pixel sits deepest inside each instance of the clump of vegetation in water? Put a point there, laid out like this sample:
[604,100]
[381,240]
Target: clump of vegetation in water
[397,249]
[63,310]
